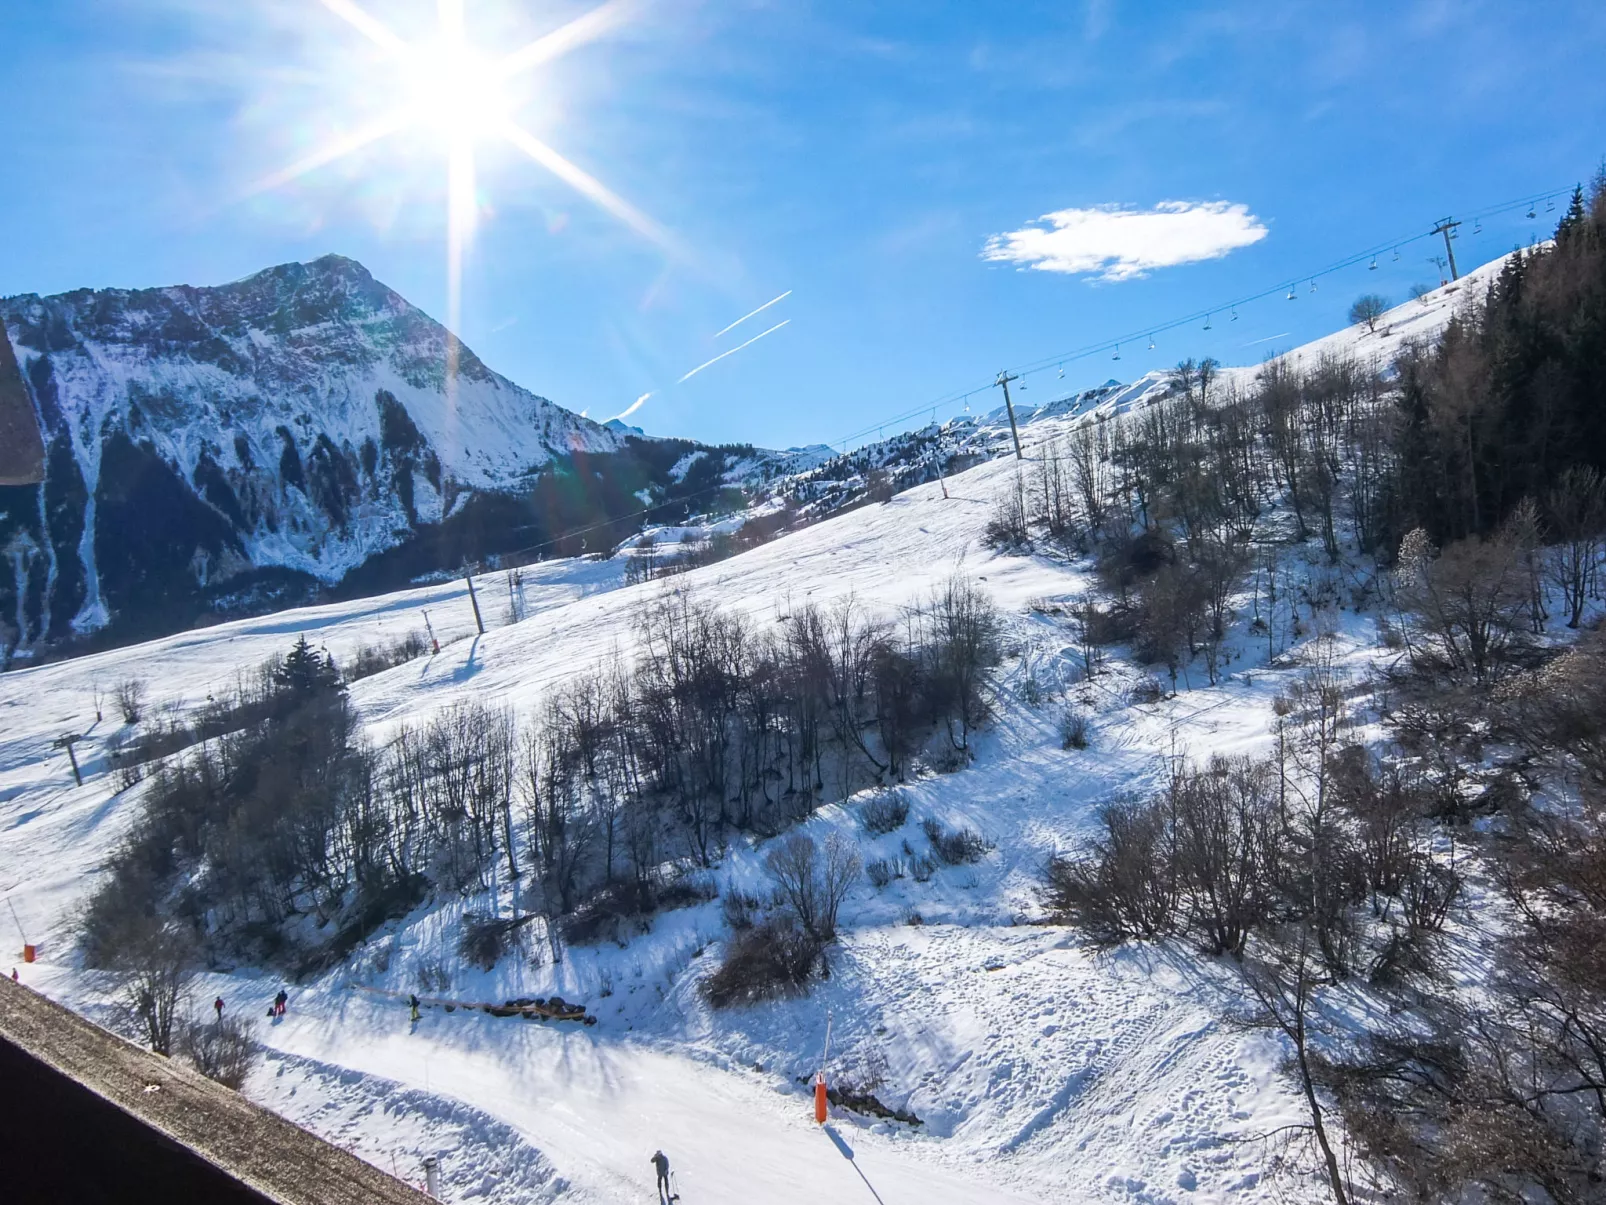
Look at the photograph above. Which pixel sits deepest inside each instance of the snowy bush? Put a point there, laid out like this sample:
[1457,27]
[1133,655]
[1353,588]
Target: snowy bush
[224,1050]
[740,909]
[486,940]
[766,962]
[882,871]
[884,814]
[955,847]
[1147,690]
[129,695]
[1074,728]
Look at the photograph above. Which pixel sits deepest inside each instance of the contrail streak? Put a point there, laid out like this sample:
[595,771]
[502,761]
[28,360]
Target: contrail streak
[760,310]
[1267,339]
[733,351]
[633,407]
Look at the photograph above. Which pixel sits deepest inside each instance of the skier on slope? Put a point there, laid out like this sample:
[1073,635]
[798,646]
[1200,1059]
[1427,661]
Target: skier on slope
[660,1163]
[412,1004]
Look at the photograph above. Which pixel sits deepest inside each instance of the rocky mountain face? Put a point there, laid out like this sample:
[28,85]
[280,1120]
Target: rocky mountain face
[182,453]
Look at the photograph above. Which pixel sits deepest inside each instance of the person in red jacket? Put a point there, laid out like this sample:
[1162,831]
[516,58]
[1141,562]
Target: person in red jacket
[218,1004]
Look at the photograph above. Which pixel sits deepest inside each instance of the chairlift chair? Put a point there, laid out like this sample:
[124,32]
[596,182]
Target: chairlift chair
[1531,212]
[1151,342]
[1291,293]
[1235,313]
[1373,266]
[1117,354]
[1207,322]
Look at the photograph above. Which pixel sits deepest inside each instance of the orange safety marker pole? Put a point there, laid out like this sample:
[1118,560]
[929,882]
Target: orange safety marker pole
[820,1098]
[29,951]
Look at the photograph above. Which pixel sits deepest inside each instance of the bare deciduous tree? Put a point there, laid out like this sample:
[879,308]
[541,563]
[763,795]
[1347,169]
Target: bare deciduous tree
[1368,308]
[154,965]
[813,884]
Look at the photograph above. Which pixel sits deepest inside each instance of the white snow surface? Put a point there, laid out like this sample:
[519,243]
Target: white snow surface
[1042,1071]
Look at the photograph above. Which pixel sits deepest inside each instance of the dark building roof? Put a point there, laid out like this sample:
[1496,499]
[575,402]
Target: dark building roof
[87,1117]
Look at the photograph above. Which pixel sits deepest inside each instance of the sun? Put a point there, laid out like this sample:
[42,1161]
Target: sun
[458,92]
[461,93]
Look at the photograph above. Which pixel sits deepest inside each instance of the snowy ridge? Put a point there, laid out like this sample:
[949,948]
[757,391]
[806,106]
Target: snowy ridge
[916,455]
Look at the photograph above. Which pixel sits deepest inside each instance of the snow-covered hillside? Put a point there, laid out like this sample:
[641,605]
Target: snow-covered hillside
[1041,1070]
[919,455]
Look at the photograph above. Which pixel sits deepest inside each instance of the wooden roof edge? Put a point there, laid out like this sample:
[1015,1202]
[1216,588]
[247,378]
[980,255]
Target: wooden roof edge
[252,1144]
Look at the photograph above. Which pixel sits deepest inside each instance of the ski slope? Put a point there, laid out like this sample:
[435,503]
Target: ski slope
[1042,1071]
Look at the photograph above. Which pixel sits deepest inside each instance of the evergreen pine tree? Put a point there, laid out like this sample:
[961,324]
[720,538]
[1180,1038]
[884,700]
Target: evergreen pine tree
[1573,219]
[305,674]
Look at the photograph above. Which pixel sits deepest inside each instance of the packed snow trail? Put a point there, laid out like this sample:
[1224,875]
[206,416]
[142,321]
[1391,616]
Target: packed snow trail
[599,1106]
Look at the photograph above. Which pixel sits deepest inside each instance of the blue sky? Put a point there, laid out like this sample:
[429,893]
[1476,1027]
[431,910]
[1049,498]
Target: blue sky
[890,163]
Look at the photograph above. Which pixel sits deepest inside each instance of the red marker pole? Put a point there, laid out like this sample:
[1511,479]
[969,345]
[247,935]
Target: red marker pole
[821,1101]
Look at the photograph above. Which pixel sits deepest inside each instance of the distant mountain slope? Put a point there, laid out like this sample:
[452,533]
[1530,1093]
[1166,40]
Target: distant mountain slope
[875,471]
[219,450]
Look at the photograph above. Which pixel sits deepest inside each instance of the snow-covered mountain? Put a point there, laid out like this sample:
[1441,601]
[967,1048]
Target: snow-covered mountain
[298,420]
[216,451]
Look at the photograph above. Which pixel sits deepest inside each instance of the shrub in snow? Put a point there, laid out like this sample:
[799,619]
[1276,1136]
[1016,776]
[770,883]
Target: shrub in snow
[956,847]
[766,962]
[485,940]
[740,909]
[884,814]
[129,695]
[883,870]
[1074,729]
[224,1050]
[1147,690]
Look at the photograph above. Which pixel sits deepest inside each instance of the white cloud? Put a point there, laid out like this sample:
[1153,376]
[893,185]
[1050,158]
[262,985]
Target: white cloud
[1122,244]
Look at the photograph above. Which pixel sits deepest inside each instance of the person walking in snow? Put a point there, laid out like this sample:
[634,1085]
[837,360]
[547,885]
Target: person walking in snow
[660,1163]
[218,1005]
[279,1002]
[412,1004]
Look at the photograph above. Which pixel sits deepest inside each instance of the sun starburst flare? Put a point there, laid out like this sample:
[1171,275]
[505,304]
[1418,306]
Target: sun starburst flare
[461,92]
